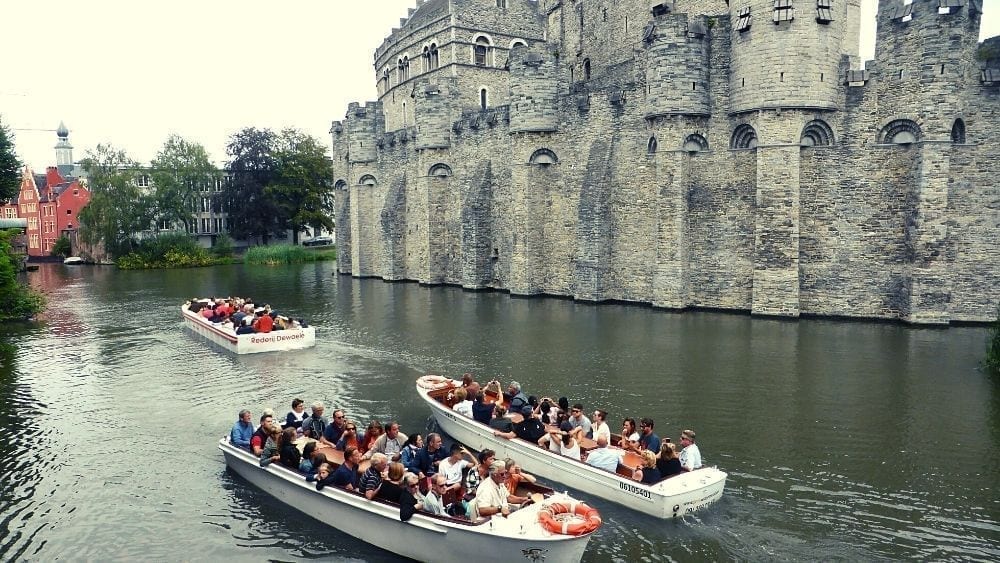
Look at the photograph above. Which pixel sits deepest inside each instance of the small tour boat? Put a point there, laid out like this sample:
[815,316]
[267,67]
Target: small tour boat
[73,261]
[669,498]
[521,536]
[275,341]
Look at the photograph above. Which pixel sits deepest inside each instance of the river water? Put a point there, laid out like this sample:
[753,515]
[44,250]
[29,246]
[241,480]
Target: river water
[843,440]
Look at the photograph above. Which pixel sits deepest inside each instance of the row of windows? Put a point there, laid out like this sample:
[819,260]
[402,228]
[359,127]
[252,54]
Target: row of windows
[144,181]
[784,11]
[207,226]
[482,54]
[818,133]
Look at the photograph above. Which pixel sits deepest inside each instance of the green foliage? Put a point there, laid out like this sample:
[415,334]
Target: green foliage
[303,188]
[169,250]
[118,208]
[223,247]
[286,254]
[17,301]
[10,180]
[62,247]
[181,170]
[993,348]
[252,167]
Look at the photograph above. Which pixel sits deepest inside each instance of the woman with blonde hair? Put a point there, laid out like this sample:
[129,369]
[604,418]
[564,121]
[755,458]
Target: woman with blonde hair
[667,461]
[647,472]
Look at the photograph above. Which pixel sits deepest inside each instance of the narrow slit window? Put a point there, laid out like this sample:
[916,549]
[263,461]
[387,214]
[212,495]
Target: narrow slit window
[743,22]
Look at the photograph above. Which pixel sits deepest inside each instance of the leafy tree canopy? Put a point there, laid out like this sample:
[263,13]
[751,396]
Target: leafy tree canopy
[119,209]
[252,167]
[303,187]
[180,171]
[10,179]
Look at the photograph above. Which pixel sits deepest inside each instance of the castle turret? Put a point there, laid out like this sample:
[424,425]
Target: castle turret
[534,90]
[432,114]
[787,54]
[677,65]
[64,151]
[363,127]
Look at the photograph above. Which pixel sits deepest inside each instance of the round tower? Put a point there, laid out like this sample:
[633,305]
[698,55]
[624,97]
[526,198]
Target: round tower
[432,114]
[677,65]
[534,90]
[925,64]
[362,124]
[787,54]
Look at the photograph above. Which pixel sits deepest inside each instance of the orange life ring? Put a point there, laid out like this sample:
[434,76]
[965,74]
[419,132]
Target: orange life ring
[435,382]
[572,519]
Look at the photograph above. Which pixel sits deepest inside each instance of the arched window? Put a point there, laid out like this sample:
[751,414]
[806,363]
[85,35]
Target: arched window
[900,132]
[744,137]
[816,133]
[517,43]
[400,77]
[958,132]
[481,51]
[426,58]
[340,185]
[483,100]
[651,145]
[543,157]
[434,60]
[406,68]
[367,180]
[695,143]
[440,170]
[586,69]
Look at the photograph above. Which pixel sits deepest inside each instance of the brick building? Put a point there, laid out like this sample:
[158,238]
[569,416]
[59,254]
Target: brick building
[702,153]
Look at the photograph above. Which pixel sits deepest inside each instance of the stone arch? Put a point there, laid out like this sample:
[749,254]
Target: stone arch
[543,157]
[367,180]
[744,137]
[517,42]
[899,132]
[439,170]
[695,142]
[958,132]
[340,185]
[816,133]
[482,50]
[651,145]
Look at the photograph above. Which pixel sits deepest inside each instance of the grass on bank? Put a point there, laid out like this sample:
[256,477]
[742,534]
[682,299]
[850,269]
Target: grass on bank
[287,254]
[174,250]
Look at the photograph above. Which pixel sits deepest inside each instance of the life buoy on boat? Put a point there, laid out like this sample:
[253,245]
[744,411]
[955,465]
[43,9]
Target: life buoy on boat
[572,519]
[435,382]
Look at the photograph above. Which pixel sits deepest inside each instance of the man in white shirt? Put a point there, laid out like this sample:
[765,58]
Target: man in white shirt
[603,457]
[600,425]
[690,457]
[491,496]
[453,465]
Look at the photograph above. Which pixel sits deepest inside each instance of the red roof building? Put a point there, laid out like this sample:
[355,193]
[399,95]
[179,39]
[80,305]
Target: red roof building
[51,205]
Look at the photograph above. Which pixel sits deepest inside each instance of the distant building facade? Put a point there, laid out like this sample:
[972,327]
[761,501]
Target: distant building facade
[700,153]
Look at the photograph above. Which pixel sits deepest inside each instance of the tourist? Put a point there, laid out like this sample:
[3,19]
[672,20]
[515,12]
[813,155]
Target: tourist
[242,431]
[480,472]
[515,476]
[432,503]
[245,326]
[288,454]
[491,496]
[295,416]
[372,433]
[630,437]
[429,458]
[452,467]
[552,439]
[314,425]
[690,457]
[563,405]
[569,446]
[530,428]
[408,457]
[648,440]
[372,479]
[391,443]
[260,435]
[578,420]
[470,385]
[410,499]
[667,461]
[306,465]
[600,425]
[269,454]
[501,425]
[481,410]
[323,476]
[518,400]
[334,430]
[463,405]
[346,475]
[392,486]
[603,457]
[264,323]
[647,472]
[317,459]
[349,438]
[547,411]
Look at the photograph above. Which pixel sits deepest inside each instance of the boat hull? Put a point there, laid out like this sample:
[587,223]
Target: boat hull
[276,341]
[423,537]
[669,498]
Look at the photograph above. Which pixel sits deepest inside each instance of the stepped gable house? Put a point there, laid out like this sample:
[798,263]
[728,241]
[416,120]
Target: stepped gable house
[700,153]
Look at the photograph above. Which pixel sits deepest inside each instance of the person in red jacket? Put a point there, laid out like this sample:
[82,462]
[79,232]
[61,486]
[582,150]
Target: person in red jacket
[264,323]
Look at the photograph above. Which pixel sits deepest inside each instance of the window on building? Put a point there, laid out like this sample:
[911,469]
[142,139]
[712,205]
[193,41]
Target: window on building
[543,157]
[33,241]
[586,69]
[483,101]
[651,145]
[481,51]
[434,56]
[744,137]
[958,132]
[824,11]
[204,225]
[743,20]
[218,184]
[142,180]
[783,11]
[900,132]
[69,212]
[367,180]
[816,133]
[501,3]
[404,114]
[694,143]
[440,170]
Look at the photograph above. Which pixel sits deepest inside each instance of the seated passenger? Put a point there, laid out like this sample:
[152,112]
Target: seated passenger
[432,503]
[530,429]
[518,400]
[667,462]
[410,499]
[603,457]
[501,425]
[334,429]
[491,496]
[295,416]
[371,435]
[408,457]
[481,471]
[514,478]
[346,475]
[630,437]
[242,431]
[481,410]
[553,439]
[690,456]
[288,454]
[547,412]
[647,472]
[463,405]
[391,443]
[453,466]
[349,438]
[392,485]
[600,425]
[314,424]
[429,458]
[578,420]
[270,454]
[260,435]
[323,476]
[648,440]
[470,385]
[372,479]
[569,447]
[264,324]
[245,327]
[306,465]
[318,458]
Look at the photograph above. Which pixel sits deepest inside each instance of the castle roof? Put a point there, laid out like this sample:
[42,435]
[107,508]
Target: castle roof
[428,11]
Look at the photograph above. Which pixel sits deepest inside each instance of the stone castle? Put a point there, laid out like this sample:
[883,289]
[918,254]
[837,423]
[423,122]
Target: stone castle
[702,153]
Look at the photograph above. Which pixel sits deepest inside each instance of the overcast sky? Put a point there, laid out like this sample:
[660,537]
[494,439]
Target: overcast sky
[130,73]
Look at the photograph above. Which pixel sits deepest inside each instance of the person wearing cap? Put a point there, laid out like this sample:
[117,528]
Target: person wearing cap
[531,428]
[603,457]
[491,496]
[690,456]
[518,400]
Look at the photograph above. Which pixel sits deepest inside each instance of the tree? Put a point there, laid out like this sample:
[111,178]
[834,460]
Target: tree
[10,180]
[17,301]
[62,247]
[180,171]
[119,209]
[252,168]
[303,187]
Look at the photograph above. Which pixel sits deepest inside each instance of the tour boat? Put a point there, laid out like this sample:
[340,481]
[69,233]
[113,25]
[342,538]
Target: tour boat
[73,261]
[424,537]
[672,497]
[274,341]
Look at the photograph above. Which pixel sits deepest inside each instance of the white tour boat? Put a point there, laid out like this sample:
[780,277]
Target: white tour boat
[671,497]
[73,261]
[274,341]
[423,537]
